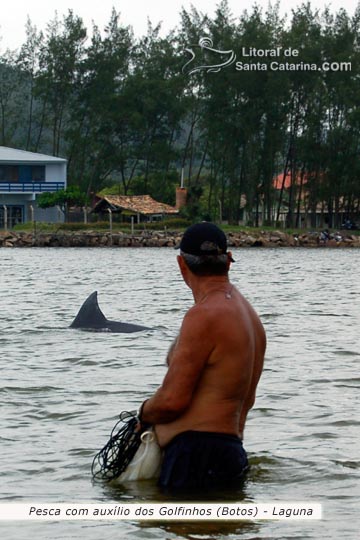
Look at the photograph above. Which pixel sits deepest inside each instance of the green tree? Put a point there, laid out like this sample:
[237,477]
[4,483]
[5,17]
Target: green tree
[63,198]
[28,63]
[92,136]
[57,80]
[10,99]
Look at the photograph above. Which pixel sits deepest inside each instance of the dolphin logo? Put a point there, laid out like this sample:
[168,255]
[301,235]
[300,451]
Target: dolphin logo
[91,318]
[206,44]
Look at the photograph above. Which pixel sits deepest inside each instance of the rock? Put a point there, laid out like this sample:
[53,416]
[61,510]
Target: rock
[250,240]
[27,239]
[281,235]
[261,242]
[6,235]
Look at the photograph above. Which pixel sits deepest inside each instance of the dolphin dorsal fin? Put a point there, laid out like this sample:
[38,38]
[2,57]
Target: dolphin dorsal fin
[90,315]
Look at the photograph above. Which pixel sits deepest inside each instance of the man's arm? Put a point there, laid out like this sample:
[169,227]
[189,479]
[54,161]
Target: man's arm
[186,364]
[249,400]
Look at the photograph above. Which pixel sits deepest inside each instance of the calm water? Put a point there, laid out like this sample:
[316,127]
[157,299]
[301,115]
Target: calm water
[62,389]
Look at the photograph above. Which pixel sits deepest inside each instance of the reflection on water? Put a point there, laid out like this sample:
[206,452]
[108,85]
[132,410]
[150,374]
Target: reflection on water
[204,530]
[62,389]
[148,491]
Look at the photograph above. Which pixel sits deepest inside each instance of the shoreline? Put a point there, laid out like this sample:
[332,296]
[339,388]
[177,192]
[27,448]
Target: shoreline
[264,239]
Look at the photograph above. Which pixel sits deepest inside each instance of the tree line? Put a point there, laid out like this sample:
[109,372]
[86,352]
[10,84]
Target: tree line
[129,115]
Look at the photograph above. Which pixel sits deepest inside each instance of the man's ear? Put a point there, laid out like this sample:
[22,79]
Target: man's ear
[183,269]
[229,259]
[181,263]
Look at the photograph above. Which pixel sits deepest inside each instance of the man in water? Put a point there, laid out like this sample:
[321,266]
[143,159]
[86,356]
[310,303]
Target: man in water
[214,366]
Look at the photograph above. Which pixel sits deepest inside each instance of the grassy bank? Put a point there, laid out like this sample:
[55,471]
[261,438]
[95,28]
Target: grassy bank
[170,225]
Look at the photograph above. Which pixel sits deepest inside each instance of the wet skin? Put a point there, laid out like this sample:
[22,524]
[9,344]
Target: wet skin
[214,364]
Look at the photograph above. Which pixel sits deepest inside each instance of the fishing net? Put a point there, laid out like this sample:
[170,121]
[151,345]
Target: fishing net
[118,452]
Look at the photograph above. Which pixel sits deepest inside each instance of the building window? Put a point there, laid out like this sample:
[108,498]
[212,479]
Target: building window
[9,173]
[38,173]
[22,173]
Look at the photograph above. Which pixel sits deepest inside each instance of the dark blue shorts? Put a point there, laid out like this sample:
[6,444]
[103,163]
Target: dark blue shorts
[201,460]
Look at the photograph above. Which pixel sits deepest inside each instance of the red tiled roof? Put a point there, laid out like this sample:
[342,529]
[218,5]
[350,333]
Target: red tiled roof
[278,180]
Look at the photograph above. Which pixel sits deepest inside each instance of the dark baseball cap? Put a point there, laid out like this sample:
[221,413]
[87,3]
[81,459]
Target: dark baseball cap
[203,239]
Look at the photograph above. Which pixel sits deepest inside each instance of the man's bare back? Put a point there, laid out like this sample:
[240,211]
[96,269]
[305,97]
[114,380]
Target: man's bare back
[213,370]
[234,343]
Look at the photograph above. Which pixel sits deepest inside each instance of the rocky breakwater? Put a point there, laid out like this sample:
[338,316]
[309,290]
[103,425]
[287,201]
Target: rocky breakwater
[270,239]
[88,239]
[281,239]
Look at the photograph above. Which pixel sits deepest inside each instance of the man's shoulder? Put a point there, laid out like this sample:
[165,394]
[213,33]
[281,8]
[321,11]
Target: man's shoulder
[198,312]
[198,320]
[205,319]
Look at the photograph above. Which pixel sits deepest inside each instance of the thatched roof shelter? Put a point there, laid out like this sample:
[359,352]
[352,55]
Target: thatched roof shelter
[143,205]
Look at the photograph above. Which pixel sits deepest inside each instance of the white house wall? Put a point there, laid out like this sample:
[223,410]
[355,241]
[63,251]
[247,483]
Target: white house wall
[55,172]
[25,202]
[47,215]
[16,199]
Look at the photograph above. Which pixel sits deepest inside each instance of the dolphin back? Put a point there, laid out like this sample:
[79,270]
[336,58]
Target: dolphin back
[90,317]
[125,328]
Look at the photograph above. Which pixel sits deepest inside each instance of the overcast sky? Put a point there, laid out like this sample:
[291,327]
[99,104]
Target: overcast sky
[134,12]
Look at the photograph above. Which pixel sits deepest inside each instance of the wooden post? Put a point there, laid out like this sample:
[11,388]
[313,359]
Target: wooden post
[110,225]
[33,223]
[5,217]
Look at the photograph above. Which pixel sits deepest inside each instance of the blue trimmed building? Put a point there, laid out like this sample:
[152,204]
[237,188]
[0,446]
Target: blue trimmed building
[23,176]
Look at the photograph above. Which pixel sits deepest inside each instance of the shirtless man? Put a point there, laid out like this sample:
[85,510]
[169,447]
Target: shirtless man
[200,409]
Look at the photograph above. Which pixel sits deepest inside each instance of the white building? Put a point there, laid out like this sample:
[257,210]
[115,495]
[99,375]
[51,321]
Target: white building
[23,176]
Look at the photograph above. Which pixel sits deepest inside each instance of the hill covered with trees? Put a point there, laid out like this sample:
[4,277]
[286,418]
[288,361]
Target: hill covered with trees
[125,113]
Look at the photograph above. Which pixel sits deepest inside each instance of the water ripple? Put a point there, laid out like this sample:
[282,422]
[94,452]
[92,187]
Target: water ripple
[63,390]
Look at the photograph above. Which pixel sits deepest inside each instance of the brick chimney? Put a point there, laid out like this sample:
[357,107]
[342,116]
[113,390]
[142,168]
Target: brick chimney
[181,195]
